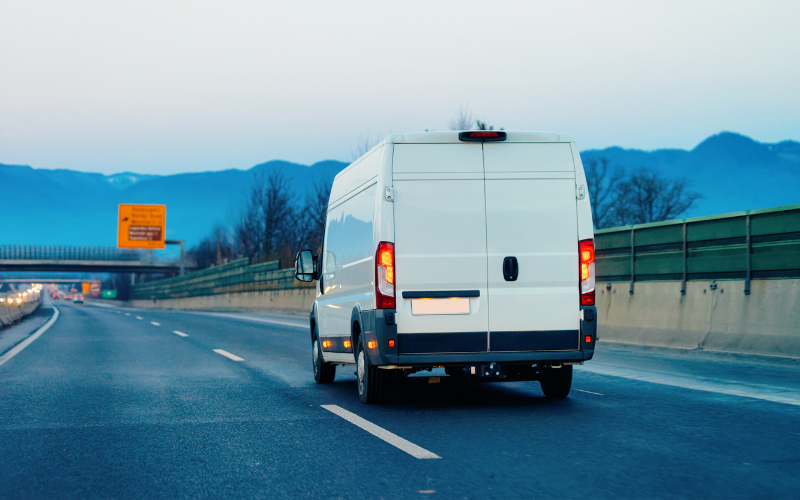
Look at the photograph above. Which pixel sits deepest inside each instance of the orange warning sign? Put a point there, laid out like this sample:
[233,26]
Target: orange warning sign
[141,226]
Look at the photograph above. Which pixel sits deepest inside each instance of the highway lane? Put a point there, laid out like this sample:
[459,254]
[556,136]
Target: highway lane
[107,405]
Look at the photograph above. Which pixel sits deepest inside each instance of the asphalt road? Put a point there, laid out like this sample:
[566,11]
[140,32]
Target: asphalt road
[107,405]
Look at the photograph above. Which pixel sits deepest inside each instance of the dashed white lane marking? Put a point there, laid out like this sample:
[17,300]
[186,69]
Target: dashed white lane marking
[590,392]
[22,345]
[127,314]
[379,432]
[155,324]
[176,332]
[228,355]
[728,387]
[139,317]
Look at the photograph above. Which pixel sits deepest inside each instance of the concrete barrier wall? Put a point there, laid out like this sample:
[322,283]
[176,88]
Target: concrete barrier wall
[712,315]
[10,314]
[296,301]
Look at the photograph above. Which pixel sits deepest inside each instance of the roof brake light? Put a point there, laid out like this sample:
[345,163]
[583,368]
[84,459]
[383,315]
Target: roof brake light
[482,136]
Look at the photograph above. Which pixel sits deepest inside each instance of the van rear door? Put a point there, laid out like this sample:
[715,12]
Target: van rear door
[531,221]
[440,248]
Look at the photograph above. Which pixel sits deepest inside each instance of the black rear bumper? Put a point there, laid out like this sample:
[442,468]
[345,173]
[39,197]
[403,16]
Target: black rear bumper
[476,347]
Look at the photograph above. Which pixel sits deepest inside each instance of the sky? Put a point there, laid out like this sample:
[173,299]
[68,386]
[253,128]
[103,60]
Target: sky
[170,86]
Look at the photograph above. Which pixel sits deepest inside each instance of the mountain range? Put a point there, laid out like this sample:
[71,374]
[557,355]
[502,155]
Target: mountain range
[65,207]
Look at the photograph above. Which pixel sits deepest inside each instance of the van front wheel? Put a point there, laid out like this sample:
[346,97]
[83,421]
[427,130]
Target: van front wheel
[370,378]
[323,372]
[556,382]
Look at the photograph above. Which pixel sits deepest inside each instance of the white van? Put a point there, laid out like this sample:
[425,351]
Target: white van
[471,251]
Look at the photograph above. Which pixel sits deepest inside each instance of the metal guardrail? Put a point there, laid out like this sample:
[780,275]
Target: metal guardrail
[235,276]
[757,244]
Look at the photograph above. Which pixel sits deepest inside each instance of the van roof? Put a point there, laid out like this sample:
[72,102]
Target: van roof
[452,136]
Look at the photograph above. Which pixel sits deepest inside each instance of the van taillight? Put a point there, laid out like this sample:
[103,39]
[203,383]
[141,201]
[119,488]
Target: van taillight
[384,276]
[586,248]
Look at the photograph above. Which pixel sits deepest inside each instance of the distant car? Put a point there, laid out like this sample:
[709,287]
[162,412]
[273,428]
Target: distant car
[56,296]
[78,299]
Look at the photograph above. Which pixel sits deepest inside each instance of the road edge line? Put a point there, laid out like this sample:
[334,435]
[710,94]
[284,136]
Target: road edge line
[25,343]
[379,432]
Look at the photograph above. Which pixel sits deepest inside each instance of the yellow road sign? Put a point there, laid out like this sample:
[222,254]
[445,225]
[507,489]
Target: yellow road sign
[141,226]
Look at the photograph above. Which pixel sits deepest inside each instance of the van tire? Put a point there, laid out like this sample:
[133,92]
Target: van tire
[371,380]
[556,382]
[323,372]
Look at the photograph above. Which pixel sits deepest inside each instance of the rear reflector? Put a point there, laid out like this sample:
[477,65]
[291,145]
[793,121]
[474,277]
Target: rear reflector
[482,136]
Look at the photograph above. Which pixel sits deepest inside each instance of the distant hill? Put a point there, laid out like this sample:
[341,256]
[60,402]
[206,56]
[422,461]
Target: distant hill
[731,171]
[65,207]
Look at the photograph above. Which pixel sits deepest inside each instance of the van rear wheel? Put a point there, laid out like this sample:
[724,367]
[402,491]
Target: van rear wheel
[556,382]
[371,380]
[323,372]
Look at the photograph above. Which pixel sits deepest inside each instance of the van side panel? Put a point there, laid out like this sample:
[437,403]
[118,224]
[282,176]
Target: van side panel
[356,175]
[349,251]
[440,243]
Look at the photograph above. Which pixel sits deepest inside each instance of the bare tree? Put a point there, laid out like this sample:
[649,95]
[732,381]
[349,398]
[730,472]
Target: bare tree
[463,121]
[482,126]
[648,197]
[216,248]
[277,211]
[266,226]
[313,215]
[248,228]
[602,185]
[364,143]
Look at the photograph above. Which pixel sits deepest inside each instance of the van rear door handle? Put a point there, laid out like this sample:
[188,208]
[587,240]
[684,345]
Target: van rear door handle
[510,268]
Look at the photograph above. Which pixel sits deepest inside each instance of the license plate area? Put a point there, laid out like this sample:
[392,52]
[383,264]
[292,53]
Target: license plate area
[426,307]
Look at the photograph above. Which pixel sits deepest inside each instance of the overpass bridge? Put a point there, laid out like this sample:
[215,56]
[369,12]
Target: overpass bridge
[50,258]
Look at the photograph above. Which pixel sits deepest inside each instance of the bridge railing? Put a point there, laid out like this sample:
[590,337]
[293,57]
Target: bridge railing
[82,253]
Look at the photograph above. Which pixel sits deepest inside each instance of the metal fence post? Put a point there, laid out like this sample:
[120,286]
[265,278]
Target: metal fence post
[182,265]
[685,259]
[749,255]
[633,258]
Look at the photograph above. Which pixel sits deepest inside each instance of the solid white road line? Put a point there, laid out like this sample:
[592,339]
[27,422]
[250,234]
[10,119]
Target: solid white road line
[775,394]
[22,345]
[393,439]
[139,317]
[228,355]
[155,324]
[257,320]
[176,332]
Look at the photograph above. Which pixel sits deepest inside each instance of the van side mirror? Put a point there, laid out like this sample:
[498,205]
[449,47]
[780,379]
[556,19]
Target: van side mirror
[305,266]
